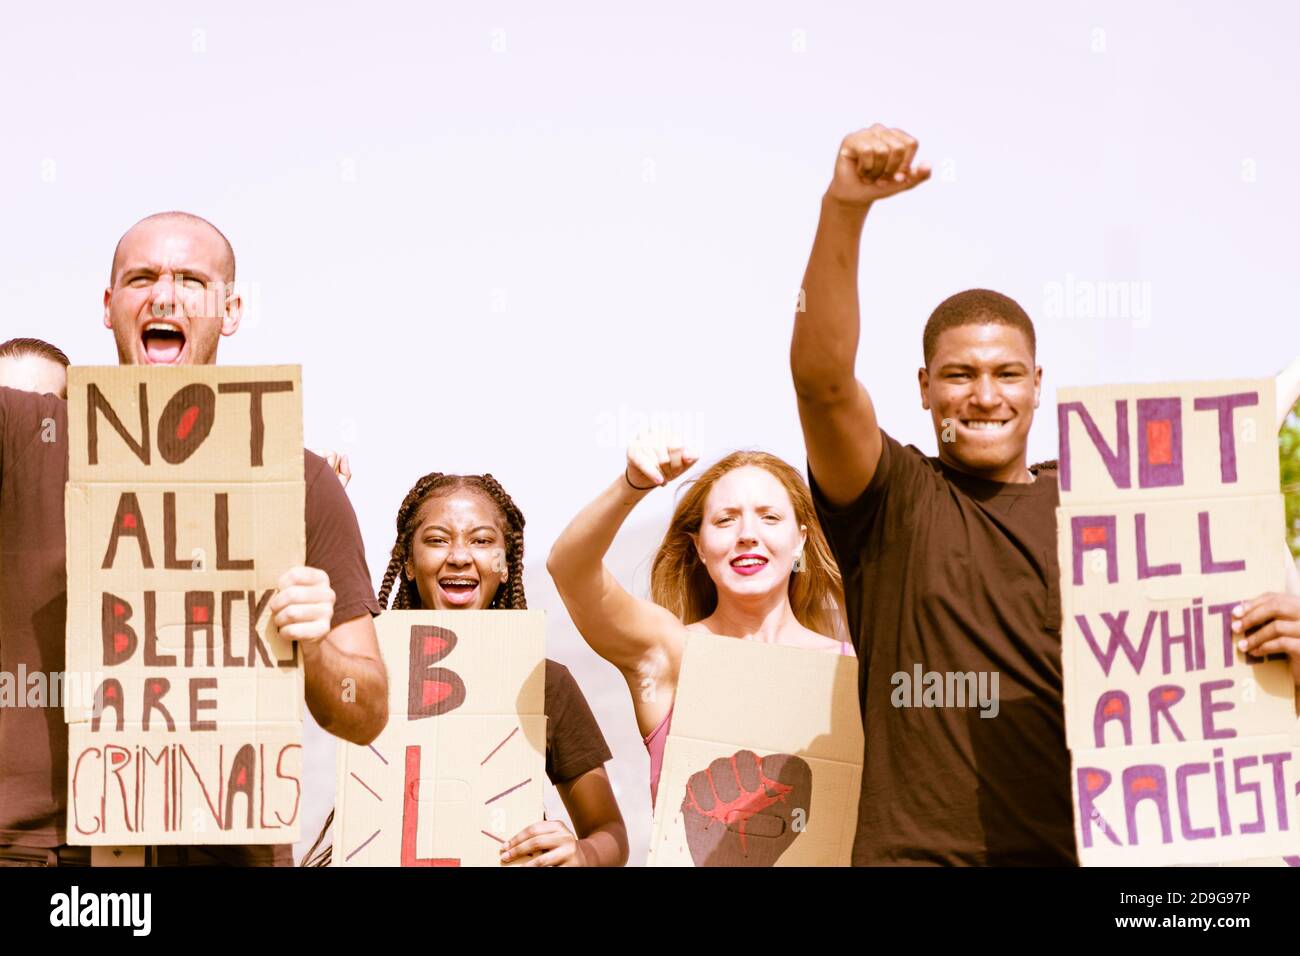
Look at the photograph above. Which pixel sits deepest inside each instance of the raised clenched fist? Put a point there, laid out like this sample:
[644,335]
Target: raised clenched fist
[874,163]
[655,458]
[746,810]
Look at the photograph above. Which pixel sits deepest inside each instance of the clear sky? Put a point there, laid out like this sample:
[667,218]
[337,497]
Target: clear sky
[497,236]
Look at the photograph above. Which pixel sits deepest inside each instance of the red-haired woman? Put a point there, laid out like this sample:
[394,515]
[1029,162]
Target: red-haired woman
[744,557]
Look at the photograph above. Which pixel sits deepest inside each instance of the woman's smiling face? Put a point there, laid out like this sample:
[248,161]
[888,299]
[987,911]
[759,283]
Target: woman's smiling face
[458,552]
[748,533]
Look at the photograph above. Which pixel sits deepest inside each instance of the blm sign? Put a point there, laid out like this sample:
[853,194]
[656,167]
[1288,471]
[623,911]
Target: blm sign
[460,767]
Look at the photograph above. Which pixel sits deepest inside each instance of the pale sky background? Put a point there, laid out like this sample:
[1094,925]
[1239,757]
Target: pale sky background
[497,235]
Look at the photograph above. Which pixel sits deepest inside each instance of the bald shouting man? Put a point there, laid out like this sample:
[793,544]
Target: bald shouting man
[169,300]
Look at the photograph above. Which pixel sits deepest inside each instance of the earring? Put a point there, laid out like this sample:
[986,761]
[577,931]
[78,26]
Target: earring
[799,563]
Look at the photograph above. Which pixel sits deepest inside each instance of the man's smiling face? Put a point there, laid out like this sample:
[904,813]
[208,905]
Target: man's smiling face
[171,299]
[981,389]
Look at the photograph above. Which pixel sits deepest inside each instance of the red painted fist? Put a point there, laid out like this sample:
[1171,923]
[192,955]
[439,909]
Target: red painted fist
[746,810]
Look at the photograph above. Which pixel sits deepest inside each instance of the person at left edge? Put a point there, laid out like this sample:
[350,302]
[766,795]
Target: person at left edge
[34,365]
[169,300]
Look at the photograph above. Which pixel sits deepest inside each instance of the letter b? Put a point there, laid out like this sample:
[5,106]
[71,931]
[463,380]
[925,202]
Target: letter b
[119,637]
[432,690]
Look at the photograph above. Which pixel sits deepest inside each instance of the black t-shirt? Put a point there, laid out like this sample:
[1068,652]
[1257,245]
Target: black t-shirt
[952,574]
[574,743]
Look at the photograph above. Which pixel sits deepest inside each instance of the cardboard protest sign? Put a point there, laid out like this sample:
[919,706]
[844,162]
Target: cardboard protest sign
[1151,442]
[763,764]
[184,506]
[459,769]
[1183,748]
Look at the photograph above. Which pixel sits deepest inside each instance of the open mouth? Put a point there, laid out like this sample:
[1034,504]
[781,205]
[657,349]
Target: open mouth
[748,563]
[458,591]
[985,424]
[162,343]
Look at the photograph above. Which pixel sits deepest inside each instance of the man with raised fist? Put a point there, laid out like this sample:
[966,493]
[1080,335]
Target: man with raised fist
[169,300]
[949,562]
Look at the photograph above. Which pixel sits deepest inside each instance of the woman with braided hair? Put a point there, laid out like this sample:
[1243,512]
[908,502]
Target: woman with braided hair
[460,546]
[744,557]
[438,501]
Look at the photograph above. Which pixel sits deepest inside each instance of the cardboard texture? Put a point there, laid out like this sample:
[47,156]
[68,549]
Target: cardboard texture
[460,767]
[1153,657]
[239,424]
[1274,860]
[184,506]
[1184,750]
[763,763]
[1179,440]
[1195,802]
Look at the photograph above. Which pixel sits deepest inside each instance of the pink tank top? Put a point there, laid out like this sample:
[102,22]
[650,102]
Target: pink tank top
[657,738]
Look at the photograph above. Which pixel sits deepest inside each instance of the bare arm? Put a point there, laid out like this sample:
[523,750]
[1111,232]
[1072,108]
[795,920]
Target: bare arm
[839,423]
[601,839]
[619,627]
[346,683]
[602,835]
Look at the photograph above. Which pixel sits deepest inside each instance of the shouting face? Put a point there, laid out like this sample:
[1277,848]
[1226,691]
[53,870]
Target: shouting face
[458,552]
[981,390]
[749,534]
[170,298]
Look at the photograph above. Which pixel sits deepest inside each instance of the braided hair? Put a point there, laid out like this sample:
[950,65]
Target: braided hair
[509,597]
[404,593]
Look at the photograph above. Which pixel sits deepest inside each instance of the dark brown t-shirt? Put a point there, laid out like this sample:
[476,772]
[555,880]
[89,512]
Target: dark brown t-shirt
[956,574]
[33,611]
[574,743]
